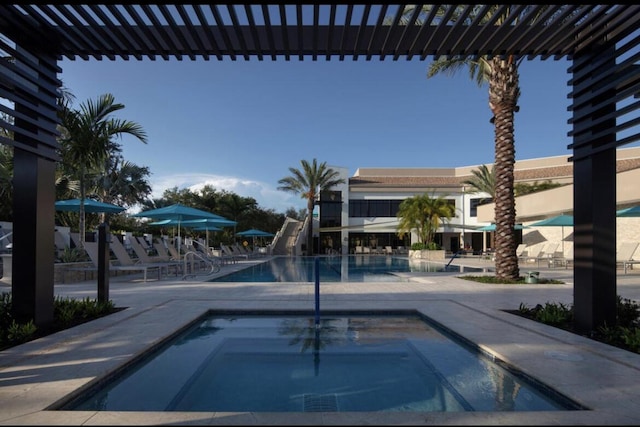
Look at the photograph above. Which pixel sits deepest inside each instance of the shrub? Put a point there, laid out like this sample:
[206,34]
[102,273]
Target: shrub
[624,334]
[431,246]
[67,312]
[72,255]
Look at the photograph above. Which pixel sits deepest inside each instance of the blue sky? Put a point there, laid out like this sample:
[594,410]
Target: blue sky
[239,125]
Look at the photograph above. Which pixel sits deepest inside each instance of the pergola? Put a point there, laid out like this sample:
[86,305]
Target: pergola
[602,41]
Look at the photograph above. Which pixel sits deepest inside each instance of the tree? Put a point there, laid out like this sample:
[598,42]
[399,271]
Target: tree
[483,180]
[501,74]
[309,182]
[86,140]
[424,214]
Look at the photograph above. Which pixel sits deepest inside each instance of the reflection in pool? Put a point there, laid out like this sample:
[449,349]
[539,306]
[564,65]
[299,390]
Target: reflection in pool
[281,362]
[348,268]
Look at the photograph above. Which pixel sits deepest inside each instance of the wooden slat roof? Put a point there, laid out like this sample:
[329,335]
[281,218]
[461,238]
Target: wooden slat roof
[165,30]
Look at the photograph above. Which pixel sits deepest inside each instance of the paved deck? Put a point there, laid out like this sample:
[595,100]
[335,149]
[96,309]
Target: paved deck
[36,375]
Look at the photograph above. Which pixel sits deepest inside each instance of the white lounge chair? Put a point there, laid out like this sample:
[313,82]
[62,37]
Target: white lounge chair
[91,248]
[624,256]
[125,260]
[532,253]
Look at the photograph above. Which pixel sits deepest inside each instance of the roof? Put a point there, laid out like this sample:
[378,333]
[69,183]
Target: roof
[164,30]
[446,177]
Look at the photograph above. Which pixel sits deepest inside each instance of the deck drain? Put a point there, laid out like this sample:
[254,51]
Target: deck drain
[320,402]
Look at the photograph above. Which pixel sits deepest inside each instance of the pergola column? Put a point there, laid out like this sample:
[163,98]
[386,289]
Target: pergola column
[594,177]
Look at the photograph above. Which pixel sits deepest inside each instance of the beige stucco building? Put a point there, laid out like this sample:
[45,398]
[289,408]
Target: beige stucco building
[363,212]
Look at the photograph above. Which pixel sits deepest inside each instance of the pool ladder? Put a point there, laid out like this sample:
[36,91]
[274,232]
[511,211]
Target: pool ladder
[198,265]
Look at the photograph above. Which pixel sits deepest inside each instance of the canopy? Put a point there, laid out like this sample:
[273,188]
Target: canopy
[628,212]
[492,227]
[178,213]
[556,221]
[90,206]
[254,233]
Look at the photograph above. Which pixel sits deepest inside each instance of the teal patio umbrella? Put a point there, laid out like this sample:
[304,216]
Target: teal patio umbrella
[202,224]
[492,227]
[178,213]
[254,233]
[556,221]
[90,206]
[629,212]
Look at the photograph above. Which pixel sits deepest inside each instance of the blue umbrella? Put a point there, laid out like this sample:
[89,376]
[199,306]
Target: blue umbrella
[254,233]
[556,221]
[492,227]
[628,212]
[179,213]
[90,206]
[204,224]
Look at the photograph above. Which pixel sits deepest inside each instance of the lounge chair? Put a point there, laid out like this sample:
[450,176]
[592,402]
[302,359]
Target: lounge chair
[163,251]
[228,251]
[548,253]
[535,254]
[125,260]
[521,250]
[624,256]
[562,259]
[91,248]
[143,252]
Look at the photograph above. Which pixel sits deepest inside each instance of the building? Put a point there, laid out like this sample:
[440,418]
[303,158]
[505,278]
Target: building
[364,211]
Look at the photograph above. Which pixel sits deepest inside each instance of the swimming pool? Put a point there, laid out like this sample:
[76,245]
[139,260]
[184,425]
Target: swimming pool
[347,268]
[282,362]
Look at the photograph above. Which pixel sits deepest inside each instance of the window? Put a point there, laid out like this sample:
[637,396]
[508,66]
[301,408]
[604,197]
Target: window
[373,208]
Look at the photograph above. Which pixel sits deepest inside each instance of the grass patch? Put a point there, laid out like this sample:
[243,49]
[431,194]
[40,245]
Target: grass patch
[521,280]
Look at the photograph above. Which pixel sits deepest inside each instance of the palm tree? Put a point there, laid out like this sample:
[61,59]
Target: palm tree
[123,183]
[483,181]
[501,74]
[424,213]
[86,139]
[309,182]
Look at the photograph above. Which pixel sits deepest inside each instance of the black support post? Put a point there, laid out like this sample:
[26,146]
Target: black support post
[103,262]
[594,177]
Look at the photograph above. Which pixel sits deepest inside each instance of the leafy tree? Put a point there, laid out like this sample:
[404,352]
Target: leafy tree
[424,214]
[299,214]
[309,182]
[86,140]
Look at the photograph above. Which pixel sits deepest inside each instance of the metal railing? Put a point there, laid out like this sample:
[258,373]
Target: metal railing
[198,265]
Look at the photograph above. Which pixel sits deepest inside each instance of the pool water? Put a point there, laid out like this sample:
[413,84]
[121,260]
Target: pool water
[348,268]
[239,362]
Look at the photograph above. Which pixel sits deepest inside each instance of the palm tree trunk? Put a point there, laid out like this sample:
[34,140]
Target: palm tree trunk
[503,98]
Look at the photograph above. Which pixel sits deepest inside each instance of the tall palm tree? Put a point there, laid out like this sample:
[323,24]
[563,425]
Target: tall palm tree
[309,182]
[424,214]
[86,139]
[501,74]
